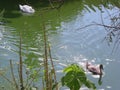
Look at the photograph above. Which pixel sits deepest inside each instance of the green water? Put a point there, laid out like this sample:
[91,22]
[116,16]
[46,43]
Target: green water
[69,43]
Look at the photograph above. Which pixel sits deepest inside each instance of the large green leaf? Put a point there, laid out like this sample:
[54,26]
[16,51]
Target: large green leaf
[75,77]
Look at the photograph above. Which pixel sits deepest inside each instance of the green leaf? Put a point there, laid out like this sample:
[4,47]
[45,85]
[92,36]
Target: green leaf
[67,69]
[75,77]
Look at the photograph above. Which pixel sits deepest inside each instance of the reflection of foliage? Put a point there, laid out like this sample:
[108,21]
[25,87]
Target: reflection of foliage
[32,61]
[75,78]
[56,3]
[33,67]
[92,4]
[3,20]
[113,29]
[1,16]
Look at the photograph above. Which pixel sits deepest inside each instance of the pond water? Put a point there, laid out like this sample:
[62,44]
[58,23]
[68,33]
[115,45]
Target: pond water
[70,43]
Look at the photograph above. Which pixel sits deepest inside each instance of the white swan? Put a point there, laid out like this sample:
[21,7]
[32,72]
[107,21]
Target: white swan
[26,9]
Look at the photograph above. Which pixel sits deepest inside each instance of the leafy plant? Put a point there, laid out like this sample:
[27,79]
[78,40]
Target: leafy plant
[75,78]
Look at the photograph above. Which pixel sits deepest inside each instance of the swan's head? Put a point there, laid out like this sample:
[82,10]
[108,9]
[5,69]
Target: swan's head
[101,67]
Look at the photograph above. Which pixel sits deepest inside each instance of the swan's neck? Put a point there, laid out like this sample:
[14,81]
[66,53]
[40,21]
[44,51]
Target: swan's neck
[101,71]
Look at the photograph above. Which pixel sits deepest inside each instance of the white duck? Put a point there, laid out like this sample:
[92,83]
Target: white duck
[95,69]
[26,9]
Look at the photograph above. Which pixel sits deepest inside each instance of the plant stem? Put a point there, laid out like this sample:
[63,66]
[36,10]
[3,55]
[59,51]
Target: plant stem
[46,59]
[20,65]
[53,69]
[15,83]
